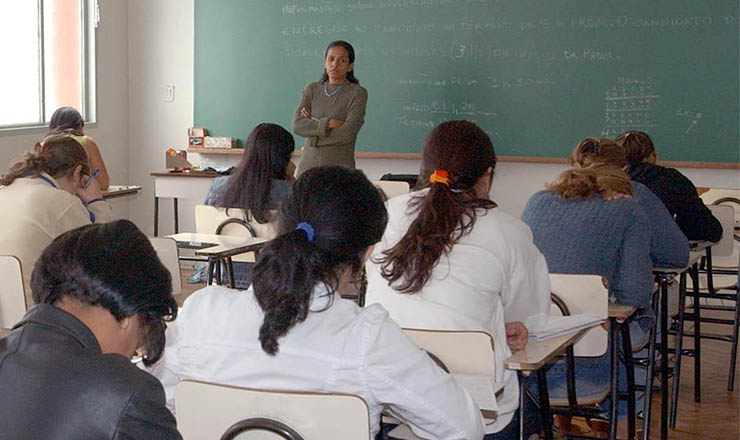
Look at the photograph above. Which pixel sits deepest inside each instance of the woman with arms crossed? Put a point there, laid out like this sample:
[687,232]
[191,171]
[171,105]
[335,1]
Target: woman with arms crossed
[331,111]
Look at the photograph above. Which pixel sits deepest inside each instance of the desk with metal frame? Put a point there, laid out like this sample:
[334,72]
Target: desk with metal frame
[533,358]
[663,276]
[116,191]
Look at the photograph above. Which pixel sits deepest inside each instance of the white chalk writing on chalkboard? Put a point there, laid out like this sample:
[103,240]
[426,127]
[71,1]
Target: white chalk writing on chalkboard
[693,118]
[630,105]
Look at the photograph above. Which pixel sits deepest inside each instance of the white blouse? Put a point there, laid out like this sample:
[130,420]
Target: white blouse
[493,275]
[342,349]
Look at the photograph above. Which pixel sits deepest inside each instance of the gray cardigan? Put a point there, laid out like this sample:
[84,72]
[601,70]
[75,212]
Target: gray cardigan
[322,145]
[610,238]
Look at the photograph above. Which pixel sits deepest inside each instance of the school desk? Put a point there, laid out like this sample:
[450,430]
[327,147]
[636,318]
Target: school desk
[187,185]
[116,191]
[219,249]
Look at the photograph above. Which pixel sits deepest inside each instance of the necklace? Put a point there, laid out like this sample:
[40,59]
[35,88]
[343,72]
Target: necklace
[326,89]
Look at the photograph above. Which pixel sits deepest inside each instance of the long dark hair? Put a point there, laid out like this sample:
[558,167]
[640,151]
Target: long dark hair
[114,266]
[350,53]
[66,119]
[591,150]
[58,156]
[266,155]
[637,146]
[447,211]
[345,214]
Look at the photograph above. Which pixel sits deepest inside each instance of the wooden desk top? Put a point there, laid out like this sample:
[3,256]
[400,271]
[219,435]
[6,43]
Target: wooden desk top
[4,332]
[621,311]
[538,353]
[189,173]
[115,191]
[221,246]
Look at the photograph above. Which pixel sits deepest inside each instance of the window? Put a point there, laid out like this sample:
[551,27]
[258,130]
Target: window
[49,60]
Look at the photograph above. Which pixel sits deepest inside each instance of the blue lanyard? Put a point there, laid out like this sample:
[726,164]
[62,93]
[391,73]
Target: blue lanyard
[47,180]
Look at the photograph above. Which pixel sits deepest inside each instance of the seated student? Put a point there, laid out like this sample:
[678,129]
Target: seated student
[668,246]
[292,330]
[581,232]
[450,259]
[676,192]
[263,177]
[68,121]
[45,195]
[65,369]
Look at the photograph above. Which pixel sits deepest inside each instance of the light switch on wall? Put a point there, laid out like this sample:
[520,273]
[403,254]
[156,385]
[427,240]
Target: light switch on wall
[169,93]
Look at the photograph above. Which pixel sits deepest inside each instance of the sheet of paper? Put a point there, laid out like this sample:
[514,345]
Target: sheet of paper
[559,325]
[480,388]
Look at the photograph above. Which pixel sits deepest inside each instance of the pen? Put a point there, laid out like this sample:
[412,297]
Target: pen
[92,177]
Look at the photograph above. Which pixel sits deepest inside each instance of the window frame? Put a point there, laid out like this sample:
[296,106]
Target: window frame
[90,19]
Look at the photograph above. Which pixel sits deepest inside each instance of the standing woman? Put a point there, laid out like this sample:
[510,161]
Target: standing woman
[68,121]
[331,111]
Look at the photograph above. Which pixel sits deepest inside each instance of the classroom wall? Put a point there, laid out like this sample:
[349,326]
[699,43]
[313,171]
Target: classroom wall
[161,49]
[111,128]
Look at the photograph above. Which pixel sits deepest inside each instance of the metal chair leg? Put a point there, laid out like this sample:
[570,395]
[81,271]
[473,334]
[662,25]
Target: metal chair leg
[735,325]
[664,359]
[630,369]
[648,397]
[679,349]
[694,271]
[614,379]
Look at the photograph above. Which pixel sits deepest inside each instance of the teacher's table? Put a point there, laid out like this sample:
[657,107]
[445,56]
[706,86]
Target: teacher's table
[185,185]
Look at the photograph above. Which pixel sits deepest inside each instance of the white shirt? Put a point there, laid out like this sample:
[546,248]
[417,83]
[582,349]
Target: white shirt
[342,349]
[493,275]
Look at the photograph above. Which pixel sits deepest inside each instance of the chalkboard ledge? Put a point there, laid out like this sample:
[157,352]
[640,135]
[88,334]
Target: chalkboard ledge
[529,159]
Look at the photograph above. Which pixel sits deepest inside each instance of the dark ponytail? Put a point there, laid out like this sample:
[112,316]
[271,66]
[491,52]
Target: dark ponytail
[462,153]
[341,214]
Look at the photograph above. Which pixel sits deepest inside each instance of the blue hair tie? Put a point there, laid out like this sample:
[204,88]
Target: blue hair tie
[308,229]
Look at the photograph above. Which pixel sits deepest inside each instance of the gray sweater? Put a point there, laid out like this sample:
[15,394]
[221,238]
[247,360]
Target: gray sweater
[323,145]
[595,236]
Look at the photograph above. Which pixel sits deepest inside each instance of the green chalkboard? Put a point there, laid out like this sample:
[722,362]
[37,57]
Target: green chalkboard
[537,75]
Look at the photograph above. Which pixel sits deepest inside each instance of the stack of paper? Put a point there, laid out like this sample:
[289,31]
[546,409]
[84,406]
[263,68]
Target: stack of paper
[560,325]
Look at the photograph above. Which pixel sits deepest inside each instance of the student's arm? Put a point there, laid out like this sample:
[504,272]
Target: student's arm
[308,127]
[692,216]
[96,162]
[668,246]
[146,416]
[75,214]
[635,270]
[411,387]
[347,132]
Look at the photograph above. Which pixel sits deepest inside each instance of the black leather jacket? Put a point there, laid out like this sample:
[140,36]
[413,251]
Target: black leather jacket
[56,384]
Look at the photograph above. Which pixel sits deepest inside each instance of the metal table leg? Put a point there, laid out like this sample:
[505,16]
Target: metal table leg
[156,216]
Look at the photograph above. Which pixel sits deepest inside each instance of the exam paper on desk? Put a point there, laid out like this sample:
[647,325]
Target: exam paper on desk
[560,325]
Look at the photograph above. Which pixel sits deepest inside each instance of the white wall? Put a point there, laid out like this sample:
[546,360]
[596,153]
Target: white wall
[111,129]
[160,50]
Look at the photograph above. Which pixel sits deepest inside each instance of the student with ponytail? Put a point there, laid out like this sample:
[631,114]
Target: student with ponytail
[43,195]
[450,259]
[292,331]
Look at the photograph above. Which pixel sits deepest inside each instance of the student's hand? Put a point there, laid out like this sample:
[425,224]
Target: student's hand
[516,335]
[306,113]
[613,195]
[335,123]
[91,192]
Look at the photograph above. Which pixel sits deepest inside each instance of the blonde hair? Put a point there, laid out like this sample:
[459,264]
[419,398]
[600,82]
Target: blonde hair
[57,155]
[582,183]
[590,151]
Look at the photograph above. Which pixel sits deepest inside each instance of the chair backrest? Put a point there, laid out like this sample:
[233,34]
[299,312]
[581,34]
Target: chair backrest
[12,294]
[207,410]
[392,188]
[169,255]
[583,294]
[461,351]
[726,216]
[231,221]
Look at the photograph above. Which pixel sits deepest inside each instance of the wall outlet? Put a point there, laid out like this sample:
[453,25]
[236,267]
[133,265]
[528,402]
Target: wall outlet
[169,93]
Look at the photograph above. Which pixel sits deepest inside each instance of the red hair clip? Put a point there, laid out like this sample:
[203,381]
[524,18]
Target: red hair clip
[440,176]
